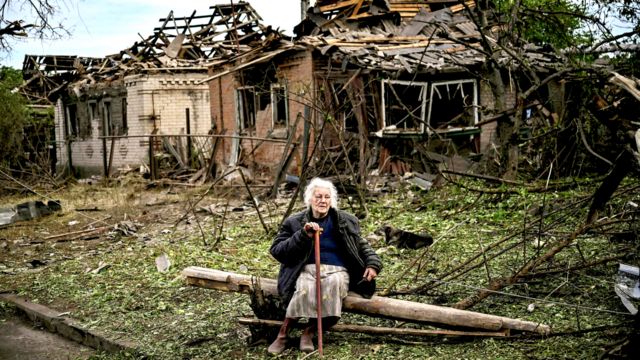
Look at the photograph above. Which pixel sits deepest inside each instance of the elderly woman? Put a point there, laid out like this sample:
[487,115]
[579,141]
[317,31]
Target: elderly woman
[348,263]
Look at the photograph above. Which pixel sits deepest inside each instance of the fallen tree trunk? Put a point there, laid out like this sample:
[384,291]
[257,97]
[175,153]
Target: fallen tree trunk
[379,330]
[377,305]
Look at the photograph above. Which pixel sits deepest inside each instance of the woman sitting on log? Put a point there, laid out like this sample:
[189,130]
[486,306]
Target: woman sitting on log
[348,263]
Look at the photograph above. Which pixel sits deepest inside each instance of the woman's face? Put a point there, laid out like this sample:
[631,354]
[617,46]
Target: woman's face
[320,202]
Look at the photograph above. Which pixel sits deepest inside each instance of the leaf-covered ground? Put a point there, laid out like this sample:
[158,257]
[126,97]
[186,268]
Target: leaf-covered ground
[110,282]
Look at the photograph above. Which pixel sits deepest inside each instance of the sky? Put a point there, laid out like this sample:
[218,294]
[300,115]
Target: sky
[100,28]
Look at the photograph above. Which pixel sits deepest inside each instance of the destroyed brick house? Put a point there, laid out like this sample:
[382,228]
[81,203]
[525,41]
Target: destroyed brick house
[105,109]
[386,83]
[383,80]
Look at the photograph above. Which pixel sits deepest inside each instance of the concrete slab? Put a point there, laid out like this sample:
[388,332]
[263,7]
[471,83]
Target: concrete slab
[55,322]
[20,340]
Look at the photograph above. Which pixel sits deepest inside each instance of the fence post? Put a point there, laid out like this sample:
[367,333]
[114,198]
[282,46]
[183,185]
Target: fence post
[152,160]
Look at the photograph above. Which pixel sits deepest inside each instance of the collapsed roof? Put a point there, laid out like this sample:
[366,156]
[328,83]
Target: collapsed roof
[429,35]
[200,41]
[387,35]
[45,75]
[192,43]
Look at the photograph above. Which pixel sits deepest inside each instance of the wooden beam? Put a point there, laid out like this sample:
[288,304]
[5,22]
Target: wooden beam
[357,8]
[379,330]
[457,8]
[376,306]
[78,234]
[338,5]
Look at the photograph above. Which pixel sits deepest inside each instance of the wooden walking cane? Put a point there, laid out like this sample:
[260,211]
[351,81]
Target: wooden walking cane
[318,290]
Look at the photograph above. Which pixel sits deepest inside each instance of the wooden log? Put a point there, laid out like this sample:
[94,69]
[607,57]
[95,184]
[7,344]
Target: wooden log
[380,330]
[376,306]
[77,234]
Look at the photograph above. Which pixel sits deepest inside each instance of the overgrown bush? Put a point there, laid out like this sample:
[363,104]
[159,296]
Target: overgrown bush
[13,115]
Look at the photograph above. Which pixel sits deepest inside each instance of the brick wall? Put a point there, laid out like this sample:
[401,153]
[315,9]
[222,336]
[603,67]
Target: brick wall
[152,102]
[488,105]
[294,71]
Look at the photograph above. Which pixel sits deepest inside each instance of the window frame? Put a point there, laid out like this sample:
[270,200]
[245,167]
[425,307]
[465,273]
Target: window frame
[424,85]
[474,106]
[71,121]
[275,88]
[107,117]
[242,123]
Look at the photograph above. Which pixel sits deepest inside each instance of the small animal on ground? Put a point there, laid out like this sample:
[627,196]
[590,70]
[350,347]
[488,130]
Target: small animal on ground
[405,239]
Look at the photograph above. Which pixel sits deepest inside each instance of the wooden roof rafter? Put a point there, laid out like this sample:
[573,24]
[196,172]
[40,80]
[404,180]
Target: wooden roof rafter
[45,75]
[444,40]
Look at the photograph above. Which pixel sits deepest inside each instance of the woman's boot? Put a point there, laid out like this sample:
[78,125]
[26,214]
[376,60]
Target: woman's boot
[306,339]
[279,344]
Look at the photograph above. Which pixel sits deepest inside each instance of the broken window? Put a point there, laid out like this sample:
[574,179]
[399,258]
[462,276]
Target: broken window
[246,104]
[125,126]
[344,108]
[115,123]
[108,121]
[404,105]
[72,120]
[453,104]
[92,110]
[263,98]
[279,106]
[84,124]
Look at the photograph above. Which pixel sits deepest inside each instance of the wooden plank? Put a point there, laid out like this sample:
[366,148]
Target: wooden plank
[457,8]
[338,5]
[78,234]
[421,44]
[357,8]
[380,330]
[376,306]
[384,39]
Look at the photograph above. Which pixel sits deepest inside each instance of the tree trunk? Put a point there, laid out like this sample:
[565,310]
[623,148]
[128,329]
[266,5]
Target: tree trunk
[376,306]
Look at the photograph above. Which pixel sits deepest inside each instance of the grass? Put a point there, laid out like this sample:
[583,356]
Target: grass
[168,320]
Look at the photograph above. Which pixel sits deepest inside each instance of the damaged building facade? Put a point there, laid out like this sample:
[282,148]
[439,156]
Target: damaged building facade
[126,110]
[107,110]
[390,85]
[364,85]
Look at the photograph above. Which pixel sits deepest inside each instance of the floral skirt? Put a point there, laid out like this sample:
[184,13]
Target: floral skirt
[334,282]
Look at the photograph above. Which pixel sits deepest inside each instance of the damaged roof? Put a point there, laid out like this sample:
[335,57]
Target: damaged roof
[431,35]
[200,41]
[228,32]
[386,35]
[45,75]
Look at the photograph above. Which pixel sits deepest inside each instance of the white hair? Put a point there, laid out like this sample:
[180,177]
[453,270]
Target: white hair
[320,183]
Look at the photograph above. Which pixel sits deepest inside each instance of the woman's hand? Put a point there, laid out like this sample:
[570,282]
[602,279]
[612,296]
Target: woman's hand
[369,274]
[310,228]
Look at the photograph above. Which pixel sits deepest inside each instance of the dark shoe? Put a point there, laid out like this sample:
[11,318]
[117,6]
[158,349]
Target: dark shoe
[306,342]
[277,346]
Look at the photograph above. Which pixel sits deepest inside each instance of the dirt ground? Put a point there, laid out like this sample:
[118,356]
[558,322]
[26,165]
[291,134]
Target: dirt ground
[20,340]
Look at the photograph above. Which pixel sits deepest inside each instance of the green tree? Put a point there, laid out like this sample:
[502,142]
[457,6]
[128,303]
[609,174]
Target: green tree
[552,22]
[13,115]
[579,31]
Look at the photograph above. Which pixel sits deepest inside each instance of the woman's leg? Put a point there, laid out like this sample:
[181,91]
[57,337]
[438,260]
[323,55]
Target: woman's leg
[278,345]
[306,339]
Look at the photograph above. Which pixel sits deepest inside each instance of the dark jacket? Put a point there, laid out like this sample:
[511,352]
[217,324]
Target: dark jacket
[292,247]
